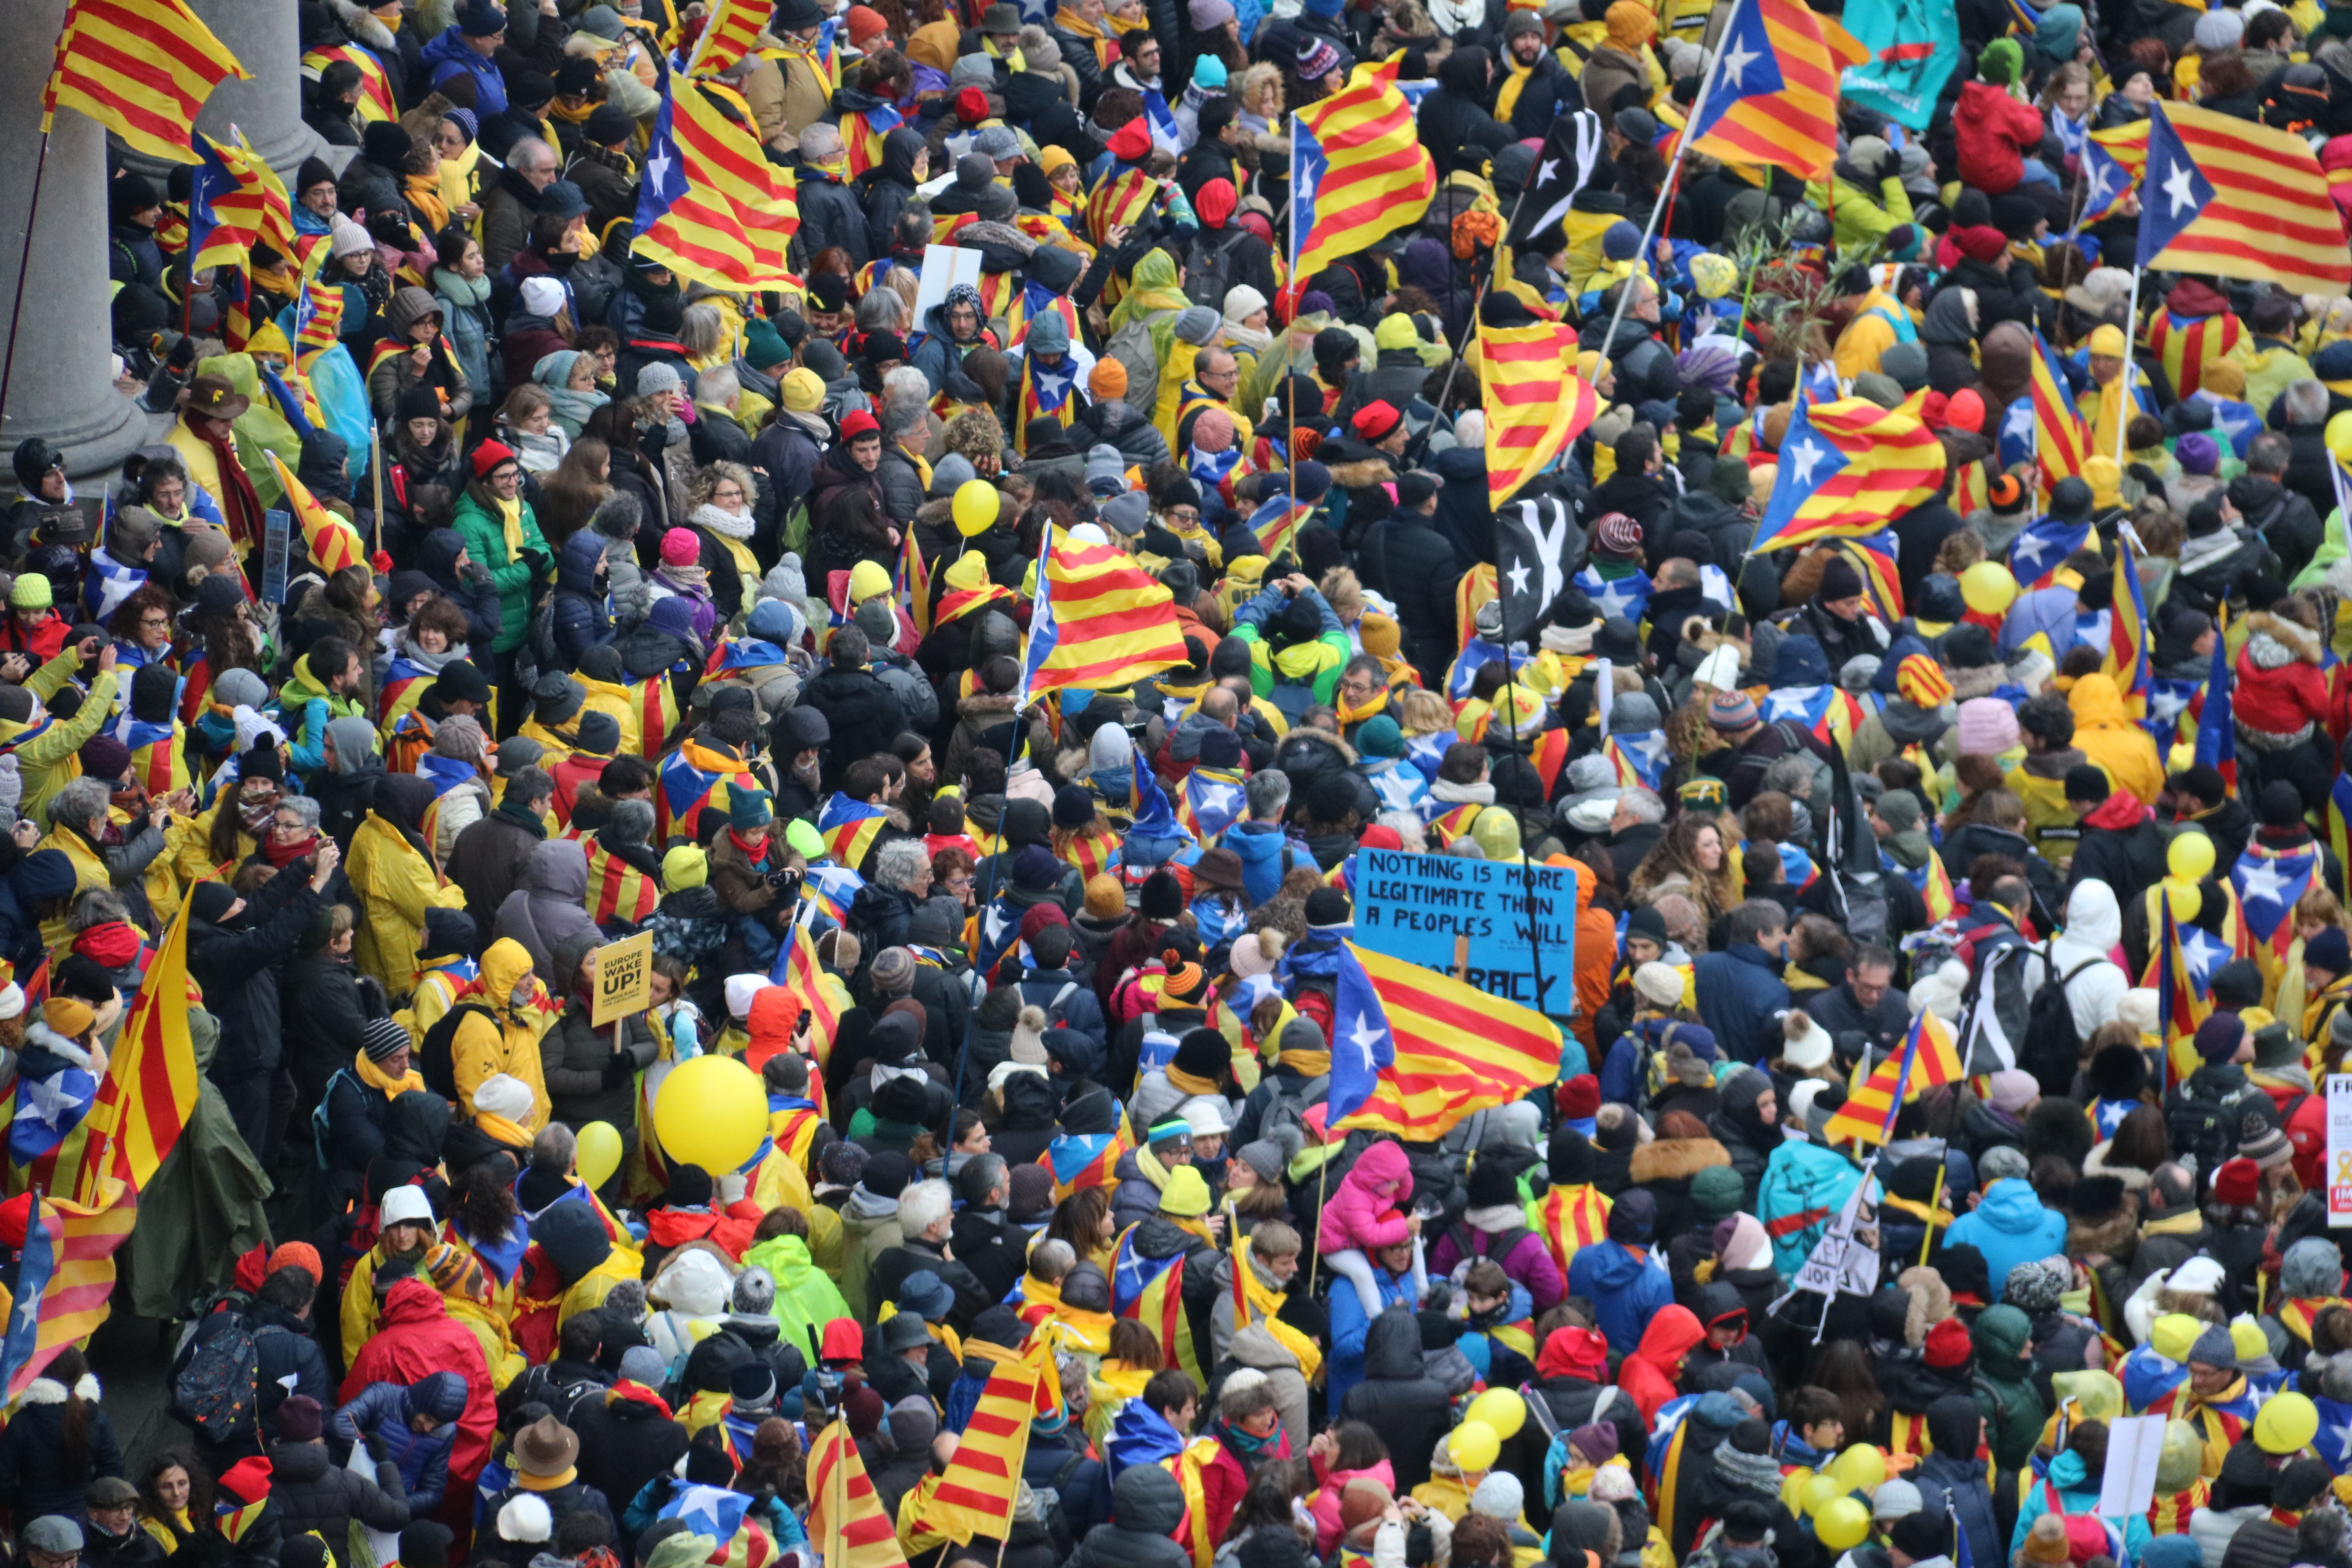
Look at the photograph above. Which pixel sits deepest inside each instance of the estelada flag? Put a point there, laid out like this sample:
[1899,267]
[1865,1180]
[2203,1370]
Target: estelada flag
[1846,466]
[1413,1051]
[1535,403]
[2061,441]
[1358,169]
[712,207]
[79,1240]
[849,828]
[1928,1058]
[332,542]
[150,1082]
[823,993]
[1100,621]
[236,202]
[2235,199]
[1773,99]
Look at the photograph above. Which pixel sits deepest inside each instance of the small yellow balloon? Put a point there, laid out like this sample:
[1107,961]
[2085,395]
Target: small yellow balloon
[1821,1491]
[1500,1408]
[1988,588]
[1842,1524]
[2338,435]
[975,507]
[713,1112]
[1496,832]
[2190,855]
[1860,1469]
[2184,898]
[1475,1446]
[1792,1489]
[598,1153]
[2286,1423]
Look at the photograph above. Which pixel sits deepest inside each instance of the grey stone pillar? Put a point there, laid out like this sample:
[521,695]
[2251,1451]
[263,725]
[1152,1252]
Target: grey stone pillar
[264,36]
[60,383]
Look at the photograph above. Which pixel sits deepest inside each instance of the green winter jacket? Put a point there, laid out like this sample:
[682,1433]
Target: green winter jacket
[479,524]
[2013,1412]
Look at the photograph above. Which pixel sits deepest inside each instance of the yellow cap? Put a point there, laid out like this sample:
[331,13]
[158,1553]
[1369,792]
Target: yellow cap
[2108,339]
[2247,1340]
[2105,479]
[1186,1196]
[803,391]
[968,571]
[685,867]
[867,580]
[2173,1333]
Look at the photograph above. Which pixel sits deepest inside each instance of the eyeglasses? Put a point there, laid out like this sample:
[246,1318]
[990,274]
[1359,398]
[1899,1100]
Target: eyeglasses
[154,620]
[1185,514]
[731,493]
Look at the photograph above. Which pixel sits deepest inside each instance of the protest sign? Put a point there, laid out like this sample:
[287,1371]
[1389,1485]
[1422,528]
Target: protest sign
[1519,921]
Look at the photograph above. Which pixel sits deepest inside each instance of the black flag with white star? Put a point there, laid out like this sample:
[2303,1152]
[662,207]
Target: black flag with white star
[1571,149]
[1533,542]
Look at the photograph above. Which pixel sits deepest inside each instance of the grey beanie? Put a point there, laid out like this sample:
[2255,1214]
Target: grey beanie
[2313,1267]
[1198,325]
[1632,713]
[240,688]
[2214,1348]
[1264,1157]
[1127,513]
[658,377]
[950,473]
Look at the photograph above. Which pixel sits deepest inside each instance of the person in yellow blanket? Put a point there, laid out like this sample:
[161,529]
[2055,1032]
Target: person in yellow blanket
[408,1245]
[394,874]
[1879,322]
[45,745]
[445,970]
[500,1030]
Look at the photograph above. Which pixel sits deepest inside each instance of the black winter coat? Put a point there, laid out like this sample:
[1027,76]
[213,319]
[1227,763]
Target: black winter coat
[1406,558]
[624,1444]
[1455,124]
[35,1478]
[831,216]
[1398,1398]
[317,1494]
[237,967]
[866,716]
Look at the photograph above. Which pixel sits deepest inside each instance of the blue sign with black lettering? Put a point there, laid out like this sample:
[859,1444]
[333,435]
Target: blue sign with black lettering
[1519,921]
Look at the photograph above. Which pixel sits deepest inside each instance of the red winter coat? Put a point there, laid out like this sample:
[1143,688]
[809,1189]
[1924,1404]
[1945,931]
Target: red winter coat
[415,1338]
[2280,697]
[1995,131]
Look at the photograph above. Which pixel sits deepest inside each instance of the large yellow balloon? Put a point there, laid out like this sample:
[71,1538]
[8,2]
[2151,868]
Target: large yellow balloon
[598,1153]
[711,1112]
[975,507]
[1792,1489]
[2339,435]
[1475,1446]
[1861,1468]
[2286,1423]
[2190,855]
[1842,1524]
[1988,588]
[1821,1491]
[1500,1408]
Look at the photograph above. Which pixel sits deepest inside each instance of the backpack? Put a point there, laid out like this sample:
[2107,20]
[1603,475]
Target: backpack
[540,1384]
[2206,1129]
[320,1132]
[2052,1049]
[1131,346]
[1748,760]
[436,1060]
[216,1381]
[1208,271]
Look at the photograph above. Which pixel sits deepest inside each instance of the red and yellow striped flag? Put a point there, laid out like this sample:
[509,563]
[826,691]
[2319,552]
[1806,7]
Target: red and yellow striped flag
[2061,441]
[1536,404]
[976,1492]
[823,993]
[1100,621]
[914,584]
[375,89]
[845,1521]
[2178,1008]
[1928,1058]
[240,202]
[142,70]
[729,34]
[616,889]
[317,321]
[83,1238]
[1358,169]
[2225,197]
[711,206]
[1774,99]
[334,544]
[1414,1051]
[151,1084]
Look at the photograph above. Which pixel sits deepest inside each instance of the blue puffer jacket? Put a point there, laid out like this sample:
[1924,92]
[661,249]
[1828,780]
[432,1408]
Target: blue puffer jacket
[383,1410]
[1259,843]
[580,615]
[2010,1227]
[450,56]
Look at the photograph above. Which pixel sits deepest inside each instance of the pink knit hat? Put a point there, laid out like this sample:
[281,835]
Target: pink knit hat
[1212,431]
[681,548]
[1987,727]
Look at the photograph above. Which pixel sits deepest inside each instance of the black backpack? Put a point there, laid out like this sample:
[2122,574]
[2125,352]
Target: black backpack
[2051,1050]
[2204,1128]
[216,1380]
[436,1062]
[1208,269]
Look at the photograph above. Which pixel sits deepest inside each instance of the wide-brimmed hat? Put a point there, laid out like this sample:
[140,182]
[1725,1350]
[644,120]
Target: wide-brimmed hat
[213,396]
[546,1447]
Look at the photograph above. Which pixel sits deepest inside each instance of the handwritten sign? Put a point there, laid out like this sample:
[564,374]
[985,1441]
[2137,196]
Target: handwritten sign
[2339,1150]
[624,978]
[1519,920]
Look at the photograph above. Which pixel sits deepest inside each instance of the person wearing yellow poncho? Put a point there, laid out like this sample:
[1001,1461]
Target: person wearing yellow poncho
[1153,302]
[2105,410]
[408,1244]
[502,1036]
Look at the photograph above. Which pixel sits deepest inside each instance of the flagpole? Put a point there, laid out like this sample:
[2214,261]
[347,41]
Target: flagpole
[2131,336]
[1673,170]
[1470,327]
[24,265]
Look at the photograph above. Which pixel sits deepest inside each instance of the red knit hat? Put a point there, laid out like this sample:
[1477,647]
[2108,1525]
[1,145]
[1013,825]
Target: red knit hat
[859,423]
[1947,1344]
[864,22]
[1215,201]
[2236,1181]
[247,1480]
[1579,1097]
[486,459]
[844,1341]
[971,105]
[1132,144]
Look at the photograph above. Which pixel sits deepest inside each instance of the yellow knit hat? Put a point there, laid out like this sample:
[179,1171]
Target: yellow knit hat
[1186,1196]
[685,867]
[803,390]
[867,580]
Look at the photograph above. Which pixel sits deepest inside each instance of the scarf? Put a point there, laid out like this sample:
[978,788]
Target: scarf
[1078,26]
[1507,98]
[255,819]
[756,854]
[510,519]
[284,855]
[694,582]
[498,1128]
[240,506]
[1247,1445]
[553,1483]
[383,1082]
[1348,715]
[1253,340]
[1179,1078]
[1307,1064]
[1148,1166]
[1152,291]
[422,191]
[1266,1305]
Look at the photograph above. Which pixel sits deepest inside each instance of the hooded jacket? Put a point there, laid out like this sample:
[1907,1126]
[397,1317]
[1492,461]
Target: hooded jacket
[1625,1286]
[549,903]
[506,1040]
[415,1338]
[1398,1398]
[2010,1227]
[1146,1505]
[1952,1477]
[2109,737]
[317,1495]
[2094,926]
[2005,1389]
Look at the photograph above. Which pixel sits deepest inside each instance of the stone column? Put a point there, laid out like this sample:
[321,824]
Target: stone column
[60,387]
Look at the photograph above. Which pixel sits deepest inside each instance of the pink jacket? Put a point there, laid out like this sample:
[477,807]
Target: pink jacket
[1380,1183]
[1325,1504]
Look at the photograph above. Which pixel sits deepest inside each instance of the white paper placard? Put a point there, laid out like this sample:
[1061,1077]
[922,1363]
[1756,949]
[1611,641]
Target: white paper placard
[2134,1443]
[2339,1150]
[944,267]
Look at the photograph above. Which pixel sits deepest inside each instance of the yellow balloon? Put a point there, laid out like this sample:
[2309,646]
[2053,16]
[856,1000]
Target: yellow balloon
[2286,1423]
[2184,897]
[975,507]
[1860,1467]
[1821,1491]
[1792,1489]
[2190,857]
[1500,1408]
[1988,588]
[2338,435]
[1475,1446]
[1496,832]
[1842,1524]
[713,1112]
[599,1154]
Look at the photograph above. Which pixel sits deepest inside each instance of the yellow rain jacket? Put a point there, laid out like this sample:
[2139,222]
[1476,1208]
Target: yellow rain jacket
[397,885]
[508,1042]
[47,750]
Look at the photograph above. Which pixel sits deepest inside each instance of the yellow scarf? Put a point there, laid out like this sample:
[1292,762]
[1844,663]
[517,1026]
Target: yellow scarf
[383,1083]
[499,1128]
[1378,704]
[556,1482]
[510,517]
[922,468]
[1179,1078]
[1070,22]
[1313,1064]
[1508,99]
[1263,1304]
[1149,1167]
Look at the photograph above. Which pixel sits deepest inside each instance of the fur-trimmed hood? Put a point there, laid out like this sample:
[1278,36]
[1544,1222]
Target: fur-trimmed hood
[2094,1163]
[362,26]
[980,702]
[2116,1236]
[1000,236]
[1674,1159]
[65,1047]
[49,1391]
[1972,683]
[2273,641]
[1362,474]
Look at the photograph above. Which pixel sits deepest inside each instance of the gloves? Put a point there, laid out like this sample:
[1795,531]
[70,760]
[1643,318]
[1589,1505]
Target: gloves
[619,1069]
[1891,166]
[376,1451]
[184,353]
[785,878]
[477,573]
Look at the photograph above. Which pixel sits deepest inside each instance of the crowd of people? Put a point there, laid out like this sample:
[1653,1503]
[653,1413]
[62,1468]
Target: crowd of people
[710,615]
